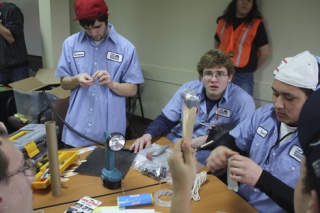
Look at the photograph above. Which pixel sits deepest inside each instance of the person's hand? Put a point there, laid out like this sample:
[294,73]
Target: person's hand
[198,141]
[244,170]
[218,158]
[141,143]
[85,80]
[104,78]
[182,165]
[2,126]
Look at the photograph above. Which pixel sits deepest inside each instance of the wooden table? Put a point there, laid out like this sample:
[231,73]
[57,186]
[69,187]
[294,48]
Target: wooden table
[214,197]
[214,194]
[85,185]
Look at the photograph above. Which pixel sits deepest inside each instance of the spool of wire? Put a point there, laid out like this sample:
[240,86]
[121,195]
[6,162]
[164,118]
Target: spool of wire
[161,193]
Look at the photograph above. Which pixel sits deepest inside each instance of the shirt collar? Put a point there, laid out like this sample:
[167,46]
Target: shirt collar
[200,92]
[273,114]
[225,97]
[112,35]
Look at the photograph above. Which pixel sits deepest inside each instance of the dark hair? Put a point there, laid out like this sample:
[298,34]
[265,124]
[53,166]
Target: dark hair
[91,21]
[229,13]
[308,183]
[4,161]
[215,58]
[306,91]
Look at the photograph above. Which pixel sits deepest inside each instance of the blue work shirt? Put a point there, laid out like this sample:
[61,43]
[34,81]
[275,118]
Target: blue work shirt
[256,135]
[97,109]
[234,106]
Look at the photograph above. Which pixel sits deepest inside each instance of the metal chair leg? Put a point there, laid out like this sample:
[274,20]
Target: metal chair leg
[140,103]
[132,101]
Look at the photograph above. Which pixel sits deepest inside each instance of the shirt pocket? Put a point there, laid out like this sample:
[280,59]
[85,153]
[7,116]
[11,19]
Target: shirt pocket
[84,65]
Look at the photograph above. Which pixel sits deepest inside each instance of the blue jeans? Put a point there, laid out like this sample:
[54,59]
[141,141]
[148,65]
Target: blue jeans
[245,81]
[15,74]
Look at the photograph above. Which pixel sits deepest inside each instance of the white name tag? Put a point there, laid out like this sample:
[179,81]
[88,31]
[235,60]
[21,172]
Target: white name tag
[78,54]
[114,57]
[224,112]
[262,132]
[296,153]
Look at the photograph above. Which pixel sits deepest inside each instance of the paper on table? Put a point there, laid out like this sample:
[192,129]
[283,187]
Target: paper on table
[105,208]
[87,149]
[127,210]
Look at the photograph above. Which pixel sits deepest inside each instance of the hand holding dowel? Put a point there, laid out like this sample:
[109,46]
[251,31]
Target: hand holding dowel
[190,106]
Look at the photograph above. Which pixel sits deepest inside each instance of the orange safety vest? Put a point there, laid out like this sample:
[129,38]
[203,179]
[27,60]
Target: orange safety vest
[237,43]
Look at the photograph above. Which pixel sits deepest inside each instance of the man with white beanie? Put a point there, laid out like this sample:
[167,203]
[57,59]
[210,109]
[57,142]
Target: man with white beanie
[268,172]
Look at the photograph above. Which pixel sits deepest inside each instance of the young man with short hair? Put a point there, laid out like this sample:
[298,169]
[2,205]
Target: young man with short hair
[221,104]
[101,69]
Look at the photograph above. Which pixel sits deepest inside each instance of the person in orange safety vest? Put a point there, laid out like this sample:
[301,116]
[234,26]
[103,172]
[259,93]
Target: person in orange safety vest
[242,35]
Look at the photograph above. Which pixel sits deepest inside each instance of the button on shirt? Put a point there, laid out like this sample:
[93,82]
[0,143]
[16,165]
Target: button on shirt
[97,109]
[257,135]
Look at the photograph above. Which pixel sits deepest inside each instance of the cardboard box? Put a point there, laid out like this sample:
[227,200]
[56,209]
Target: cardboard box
[28,93]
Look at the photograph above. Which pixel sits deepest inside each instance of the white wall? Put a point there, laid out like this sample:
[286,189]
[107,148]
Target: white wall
[292,28]
[30,10]
[172,35]
[55,28]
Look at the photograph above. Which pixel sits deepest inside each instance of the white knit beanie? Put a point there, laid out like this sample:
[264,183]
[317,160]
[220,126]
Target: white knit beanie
[300,71]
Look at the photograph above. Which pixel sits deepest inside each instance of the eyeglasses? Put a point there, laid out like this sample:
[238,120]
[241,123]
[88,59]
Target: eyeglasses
[209,75]
[29,169]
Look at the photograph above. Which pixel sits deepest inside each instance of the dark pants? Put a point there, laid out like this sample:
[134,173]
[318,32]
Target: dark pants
[15,74]
[245,81]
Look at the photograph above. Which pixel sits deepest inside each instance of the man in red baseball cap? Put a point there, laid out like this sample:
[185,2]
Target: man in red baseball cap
[90,11]
[101,68]
[86,9]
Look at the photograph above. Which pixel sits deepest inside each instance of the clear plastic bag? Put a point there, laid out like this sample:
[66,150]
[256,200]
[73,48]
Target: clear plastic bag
[157,168]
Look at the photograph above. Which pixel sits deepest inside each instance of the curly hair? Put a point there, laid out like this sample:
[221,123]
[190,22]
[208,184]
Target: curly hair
[215,58]
[229,13]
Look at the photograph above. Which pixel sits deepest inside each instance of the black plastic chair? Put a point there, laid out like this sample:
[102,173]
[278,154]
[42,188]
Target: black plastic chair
[132,101]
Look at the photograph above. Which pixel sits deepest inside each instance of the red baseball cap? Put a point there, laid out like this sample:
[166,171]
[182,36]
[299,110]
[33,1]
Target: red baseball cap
[85,9]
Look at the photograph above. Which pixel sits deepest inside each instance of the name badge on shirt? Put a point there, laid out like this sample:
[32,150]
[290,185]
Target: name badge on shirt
[114,57]
[78,54]
[262,132]
[296,153]
[224,112]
